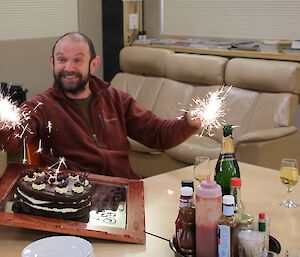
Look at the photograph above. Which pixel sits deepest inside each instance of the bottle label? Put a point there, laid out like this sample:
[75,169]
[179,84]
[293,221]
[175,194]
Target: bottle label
[262,226]
[228,145]
[185,201]
[228,210]
[224,241]
[228,156]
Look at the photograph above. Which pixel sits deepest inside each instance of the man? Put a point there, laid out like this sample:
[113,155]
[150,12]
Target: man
[87,121]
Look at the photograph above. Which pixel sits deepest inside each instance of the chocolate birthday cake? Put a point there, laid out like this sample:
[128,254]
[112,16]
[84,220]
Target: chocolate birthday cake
[53,194]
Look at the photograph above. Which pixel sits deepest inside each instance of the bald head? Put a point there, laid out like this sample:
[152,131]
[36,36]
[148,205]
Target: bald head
[79,38]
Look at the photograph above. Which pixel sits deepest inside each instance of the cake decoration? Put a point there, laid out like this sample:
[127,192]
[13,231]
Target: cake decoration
[62,188]
[83,180]
[38,184]
[77,187]
[29,177]
[39,172]
[74,176]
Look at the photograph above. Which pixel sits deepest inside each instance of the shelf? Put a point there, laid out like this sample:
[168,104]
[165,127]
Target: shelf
[228,53]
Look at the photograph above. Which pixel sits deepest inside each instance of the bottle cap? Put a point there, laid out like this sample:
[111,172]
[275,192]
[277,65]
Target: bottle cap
[227,130]
[236,182]
[209,189]
[261,215]
[186,191]
[228,199]
[187,183]
[208,183]
[245,218]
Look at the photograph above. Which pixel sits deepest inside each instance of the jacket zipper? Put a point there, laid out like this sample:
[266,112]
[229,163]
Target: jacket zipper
[101,125]
[101,120]
[96,140]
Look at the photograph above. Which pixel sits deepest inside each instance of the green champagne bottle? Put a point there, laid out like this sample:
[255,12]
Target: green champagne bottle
[227,166]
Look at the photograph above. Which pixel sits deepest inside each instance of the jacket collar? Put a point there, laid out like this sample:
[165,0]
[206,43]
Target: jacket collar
[97,86]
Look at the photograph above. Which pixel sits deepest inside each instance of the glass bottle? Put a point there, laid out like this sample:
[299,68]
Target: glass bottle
[208,211]
[264,227]
[185,222]
[227,166]
[245,220]
[188,183]
[228,229]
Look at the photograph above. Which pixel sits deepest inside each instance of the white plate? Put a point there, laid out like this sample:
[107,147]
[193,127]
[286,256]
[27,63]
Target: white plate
[69,246]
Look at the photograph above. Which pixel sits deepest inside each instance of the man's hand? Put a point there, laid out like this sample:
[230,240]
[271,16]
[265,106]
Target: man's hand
[193,121]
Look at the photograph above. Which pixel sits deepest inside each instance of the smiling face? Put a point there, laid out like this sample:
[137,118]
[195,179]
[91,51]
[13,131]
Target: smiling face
[72,65]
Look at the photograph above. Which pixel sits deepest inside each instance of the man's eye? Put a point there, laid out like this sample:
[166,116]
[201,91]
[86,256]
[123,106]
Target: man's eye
[61,59]
[78,60]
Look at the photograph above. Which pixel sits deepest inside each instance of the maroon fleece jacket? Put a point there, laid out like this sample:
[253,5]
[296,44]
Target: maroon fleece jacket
[104,147]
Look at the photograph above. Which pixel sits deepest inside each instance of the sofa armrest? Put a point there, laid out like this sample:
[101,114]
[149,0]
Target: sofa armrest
[266,134]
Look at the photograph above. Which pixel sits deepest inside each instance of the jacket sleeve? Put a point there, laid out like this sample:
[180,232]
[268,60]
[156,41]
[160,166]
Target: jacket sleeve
[145,127]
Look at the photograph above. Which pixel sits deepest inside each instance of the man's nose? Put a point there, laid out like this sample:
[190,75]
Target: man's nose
[69,66]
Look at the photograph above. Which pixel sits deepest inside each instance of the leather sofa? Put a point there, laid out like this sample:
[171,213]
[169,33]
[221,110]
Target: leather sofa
[262,103]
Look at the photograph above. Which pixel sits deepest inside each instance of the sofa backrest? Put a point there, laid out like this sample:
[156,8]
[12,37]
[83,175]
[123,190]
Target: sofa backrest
[264,75]
[196,69]
[267,90]
[165,82]
[142,61]
[263,93]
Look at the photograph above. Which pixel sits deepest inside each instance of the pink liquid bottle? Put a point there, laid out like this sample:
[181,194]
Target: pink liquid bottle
[208,211]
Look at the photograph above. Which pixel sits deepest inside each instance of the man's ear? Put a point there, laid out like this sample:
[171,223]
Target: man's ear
[95,63]
[51,61]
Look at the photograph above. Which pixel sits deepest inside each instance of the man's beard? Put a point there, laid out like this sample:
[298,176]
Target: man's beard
[71,86]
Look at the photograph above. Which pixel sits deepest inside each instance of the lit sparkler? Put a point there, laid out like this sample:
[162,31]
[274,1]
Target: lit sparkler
[49,126]
[38,104]
[16,118]
[12,117]
[10,114]
[210,110]
[24,152]
[39,150]
[59,163]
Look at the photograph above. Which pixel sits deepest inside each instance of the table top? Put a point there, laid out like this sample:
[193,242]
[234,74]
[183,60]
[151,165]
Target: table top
[261,191]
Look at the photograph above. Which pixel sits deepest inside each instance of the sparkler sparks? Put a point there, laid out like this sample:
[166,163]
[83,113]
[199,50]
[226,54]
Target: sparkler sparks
[49,126]
[39,150]
[38,104]
[10,114]
[24,152]
[59,163]
[210,110]
[16,118]
[12,117]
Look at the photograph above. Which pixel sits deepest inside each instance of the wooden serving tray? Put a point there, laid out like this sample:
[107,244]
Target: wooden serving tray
[134,231]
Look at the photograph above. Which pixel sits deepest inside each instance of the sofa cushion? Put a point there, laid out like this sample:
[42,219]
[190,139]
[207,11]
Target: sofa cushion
[194,146]
[272,110]
[144,89]
[173,97]
[239,105]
